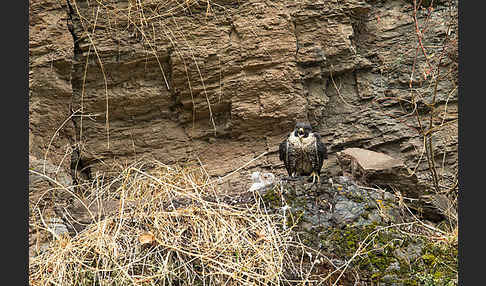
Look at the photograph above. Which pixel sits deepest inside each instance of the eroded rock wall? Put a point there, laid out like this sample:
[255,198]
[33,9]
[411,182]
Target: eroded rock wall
[224,81]
[51,55]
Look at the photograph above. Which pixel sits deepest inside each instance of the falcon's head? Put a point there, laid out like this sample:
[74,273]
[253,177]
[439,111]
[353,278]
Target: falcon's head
[302,130]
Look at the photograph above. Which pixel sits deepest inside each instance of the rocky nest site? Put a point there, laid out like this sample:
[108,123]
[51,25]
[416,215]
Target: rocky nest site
[154,132]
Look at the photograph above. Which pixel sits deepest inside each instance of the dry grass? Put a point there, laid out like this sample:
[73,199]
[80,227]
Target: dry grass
[170,229]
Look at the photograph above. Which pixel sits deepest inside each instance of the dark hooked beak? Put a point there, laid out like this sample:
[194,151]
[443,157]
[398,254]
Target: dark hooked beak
[301,132]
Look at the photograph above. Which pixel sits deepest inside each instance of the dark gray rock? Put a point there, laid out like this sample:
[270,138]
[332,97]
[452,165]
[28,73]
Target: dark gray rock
[337,215]
[346,211]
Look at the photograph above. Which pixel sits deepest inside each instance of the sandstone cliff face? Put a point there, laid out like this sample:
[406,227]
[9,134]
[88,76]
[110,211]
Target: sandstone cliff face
[224,81]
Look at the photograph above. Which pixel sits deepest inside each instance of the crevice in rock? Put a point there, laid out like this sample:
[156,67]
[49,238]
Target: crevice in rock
[176,108]
[80,170]
[234,36]
[70,25]
[356,88]
[294,30]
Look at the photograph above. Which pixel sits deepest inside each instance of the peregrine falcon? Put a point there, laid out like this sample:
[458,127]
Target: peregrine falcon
[303,152]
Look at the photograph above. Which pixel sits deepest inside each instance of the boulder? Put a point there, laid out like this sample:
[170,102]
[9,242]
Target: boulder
[376,169]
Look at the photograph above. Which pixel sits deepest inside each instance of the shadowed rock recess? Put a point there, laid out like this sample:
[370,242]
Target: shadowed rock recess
[220,83]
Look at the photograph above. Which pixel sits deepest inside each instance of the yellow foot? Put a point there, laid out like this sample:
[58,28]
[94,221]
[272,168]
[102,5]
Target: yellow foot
[314,176]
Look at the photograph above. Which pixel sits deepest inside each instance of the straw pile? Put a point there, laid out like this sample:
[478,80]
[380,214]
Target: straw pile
[171,229]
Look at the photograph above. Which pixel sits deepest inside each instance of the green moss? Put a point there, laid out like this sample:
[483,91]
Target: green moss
[357,199]
[346,241]
[375,259]
[271,197]
[433,265]
[295,218]
[366,214]
[376,276]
